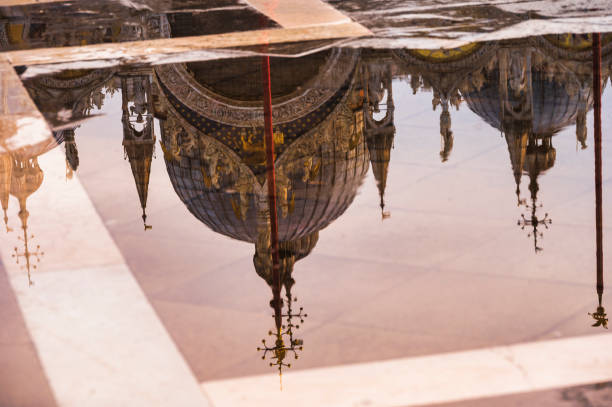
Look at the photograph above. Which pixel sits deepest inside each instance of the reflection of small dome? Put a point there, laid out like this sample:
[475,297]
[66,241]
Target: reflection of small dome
[26,179]
[289,253]
[554,107]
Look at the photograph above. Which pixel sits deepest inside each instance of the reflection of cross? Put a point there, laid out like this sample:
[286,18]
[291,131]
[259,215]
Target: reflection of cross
[534,222]
[26,254]
[279,349]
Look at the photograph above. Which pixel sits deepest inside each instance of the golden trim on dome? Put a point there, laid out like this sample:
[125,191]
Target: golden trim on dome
[446,55]
[571,42]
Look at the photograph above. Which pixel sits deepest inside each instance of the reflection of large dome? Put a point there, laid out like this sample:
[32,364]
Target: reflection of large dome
[216,166]
[554,106]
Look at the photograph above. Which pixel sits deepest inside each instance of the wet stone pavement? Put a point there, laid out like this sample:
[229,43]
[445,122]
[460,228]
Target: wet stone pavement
[400,206]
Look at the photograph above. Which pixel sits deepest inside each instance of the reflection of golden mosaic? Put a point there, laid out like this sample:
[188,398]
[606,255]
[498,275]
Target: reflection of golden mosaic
[72,73]
[445,55]
[574,42]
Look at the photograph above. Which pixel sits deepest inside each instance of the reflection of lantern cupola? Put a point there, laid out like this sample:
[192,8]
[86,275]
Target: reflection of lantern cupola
[26,178]
[138,134]
[379,127]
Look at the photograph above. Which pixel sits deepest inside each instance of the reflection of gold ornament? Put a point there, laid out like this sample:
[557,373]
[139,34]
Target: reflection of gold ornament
[280,347]
[600,317]
[446,55]
[572,42]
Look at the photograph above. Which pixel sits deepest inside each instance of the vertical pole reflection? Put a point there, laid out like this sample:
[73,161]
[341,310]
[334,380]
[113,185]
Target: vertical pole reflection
[271,178]
[599,315]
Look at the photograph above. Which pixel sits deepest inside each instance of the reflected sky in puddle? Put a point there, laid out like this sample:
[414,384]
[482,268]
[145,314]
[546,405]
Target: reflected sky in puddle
[428,201]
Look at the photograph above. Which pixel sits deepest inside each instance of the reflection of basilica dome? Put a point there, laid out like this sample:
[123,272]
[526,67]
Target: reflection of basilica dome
[216,161]
[554,105]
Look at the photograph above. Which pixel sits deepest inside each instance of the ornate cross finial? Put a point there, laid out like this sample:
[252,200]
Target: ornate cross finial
[26,254]
[284,341]
[533,222]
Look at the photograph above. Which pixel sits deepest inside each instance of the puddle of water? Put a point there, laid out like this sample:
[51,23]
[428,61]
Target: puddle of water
[422,200]
[427,201]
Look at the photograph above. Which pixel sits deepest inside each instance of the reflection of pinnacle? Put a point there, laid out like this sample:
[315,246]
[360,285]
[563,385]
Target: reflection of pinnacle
[26,254]
[6,221]
[384,215]
[144,220]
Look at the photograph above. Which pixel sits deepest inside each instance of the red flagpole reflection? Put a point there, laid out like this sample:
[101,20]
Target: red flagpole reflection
[271,177]
[600,315]
[598,166]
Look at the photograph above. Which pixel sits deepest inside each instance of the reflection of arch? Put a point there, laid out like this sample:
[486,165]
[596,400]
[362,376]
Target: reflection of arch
[76,91]
[66,97]
[472,56]
[332,76]
[446,73]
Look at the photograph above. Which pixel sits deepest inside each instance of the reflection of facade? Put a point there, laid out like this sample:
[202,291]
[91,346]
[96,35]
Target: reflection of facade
[49,24]
[333,116]
[68,98]
[529,89]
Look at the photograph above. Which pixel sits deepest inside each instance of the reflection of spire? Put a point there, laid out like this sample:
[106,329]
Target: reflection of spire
[6,170]
[270,252]
[540,156]
[379,146]
[445,132]
[289,253]
[138,135]
[581,128]
[599,315]
[27,178]
[517,147]
[379,132]
[72,154]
